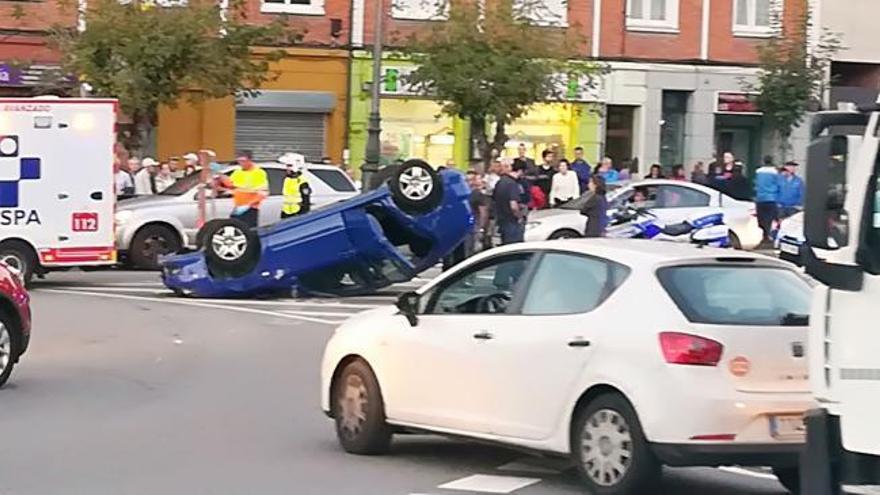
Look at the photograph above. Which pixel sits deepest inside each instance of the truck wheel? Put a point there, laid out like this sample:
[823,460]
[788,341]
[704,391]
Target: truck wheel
[20,258]
[232,249]
[416,187]
[149,243]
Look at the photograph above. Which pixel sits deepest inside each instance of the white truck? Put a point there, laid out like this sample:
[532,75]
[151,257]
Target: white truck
[57,190]
[842,227]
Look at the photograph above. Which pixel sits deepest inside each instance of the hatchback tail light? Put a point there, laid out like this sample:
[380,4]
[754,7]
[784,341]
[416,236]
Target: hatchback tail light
[682,348]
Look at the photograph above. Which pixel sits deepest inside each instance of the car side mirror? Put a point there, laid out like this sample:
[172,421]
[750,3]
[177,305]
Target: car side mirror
[408,305]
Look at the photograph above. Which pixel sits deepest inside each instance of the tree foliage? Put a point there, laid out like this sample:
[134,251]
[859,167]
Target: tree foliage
[148,56]
[490,62]
[793,75]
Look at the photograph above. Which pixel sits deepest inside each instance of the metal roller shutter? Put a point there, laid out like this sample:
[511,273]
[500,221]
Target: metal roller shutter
[269,134]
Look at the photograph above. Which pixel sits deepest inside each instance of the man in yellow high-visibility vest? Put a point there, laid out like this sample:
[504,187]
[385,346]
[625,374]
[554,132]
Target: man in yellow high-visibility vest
[296,190]
[250,186]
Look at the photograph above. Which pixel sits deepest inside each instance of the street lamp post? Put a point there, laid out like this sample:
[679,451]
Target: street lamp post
[374,129]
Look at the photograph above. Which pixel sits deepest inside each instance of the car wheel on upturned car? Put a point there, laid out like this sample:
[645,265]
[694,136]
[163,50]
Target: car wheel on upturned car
[610,450]
[416,187]
[19,257]
[232,249]
[359,411]
[790,478]
[8,346]
[151,242]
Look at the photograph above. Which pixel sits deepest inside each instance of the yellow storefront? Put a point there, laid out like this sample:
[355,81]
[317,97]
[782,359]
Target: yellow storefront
[303,109]
[414,126]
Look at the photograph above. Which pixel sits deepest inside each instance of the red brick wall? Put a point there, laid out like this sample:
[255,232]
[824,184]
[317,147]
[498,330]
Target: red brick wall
[26,23]
[725,47]
[618,43]
[317,28]
[396,31]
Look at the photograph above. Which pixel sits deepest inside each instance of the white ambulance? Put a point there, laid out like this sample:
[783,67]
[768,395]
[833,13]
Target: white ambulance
[56,183]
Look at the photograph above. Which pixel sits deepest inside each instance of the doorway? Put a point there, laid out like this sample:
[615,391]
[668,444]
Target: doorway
[740,135]
[619,133]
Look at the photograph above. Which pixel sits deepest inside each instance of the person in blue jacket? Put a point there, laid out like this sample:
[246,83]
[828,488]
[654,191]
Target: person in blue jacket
[791,190]
[767,199]
[581,167]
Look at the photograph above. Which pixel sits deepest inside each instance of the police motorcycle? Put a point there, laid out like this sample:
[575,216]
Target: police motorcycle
[633,222]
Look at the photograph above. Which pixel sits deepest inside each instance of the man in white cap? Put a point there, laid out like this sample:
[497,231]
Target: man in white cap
[296,190]
[145,178]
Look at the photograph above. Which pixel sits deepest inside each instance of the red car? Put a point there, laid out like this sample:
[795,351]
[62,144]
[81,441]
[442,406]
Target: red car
[15,321]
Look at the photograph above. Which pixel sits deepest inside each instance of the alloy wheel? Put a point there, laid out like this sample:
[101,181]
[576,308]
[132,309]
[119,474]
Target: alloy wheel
[229,243]
[606,447]
[416,184]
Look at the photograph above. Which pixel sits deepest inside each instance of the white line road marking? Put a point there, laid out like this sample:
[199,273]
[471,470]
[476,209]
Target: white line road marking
[537,465]
[318,313]
[486,483]
[119,289]
[189,302]
[250,302]
[747,472]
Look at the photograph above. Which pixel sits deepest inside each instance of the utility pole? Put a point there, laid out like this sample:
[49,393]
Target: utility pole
[374,129]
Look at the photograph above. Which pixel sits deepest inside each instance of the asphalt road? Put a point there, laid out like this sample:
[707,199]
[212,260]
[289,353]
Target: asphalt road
[127,390]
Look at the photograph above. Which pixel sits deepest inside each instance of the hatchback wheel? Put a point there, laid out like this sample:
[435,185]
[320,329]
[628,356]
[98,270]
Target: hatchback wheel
[359,411]
[610,450]
[7,358]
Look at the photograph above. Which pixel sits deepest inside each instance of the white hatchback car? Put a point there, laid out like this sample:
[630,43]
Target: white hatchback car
[672,201]
[624,354]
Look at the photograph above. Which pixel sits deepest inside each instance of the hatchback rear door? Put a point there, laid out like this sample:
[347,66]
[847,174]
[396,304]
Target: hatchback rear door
[758,312]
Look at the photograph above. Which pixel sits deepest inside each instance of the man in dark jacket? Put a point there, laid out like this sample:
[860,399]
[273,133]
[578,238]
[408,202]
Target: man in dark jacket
[582,168]
[510,211]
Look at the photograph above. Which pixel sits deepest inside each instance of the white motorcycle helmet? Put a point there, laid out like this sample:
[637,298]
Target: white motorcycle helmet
[295,161]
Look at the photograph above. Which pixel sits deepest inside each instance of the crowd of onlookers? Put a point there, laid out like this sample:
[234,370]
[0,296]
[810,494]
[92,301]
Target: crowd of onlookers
[504,194]
[143,177]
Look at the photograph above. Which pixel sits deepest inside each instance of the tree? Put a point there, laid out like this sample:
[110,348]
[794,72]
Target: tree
[490,62]
[792,75]
[148,56]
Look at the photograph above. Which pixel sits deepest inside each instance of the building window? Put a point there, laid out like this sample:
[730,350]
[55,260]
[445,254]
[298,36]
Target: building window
[652,15]
[299,7]
[753,17]
[420,10]
[544,13]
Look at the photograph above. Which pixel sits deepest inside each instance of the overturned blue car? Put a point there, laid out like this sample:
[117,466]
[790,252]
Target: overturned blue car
[385,236]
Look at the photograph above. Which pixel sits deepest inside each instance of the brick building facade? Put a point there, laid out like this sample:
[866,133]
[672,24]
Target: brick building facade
[673,96]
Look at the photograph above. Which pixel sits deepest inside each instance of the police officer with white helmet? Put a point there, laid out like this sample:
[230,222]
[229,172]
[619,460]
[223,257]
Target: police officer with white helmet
[296,190]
